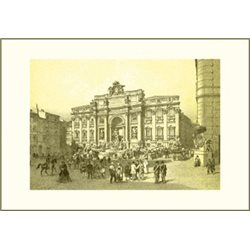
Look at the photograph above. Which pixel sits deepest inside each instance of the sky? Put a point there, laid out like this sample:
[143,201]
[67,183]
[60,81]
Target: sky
[58,85]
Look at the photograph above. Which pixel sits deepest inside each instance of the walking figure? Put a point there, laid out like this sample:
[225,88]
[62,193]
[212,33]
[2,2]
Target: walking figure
[210,166]
[163,171]
[157,172]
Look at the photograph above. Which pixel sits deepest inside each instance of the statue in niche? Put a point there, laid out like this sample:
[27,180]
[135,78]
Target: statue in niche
[126,99]
[200,142]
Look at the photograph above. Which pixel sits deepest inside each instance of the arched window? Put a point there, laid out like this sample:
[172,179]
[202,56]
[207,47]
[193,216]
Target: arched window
[84,134]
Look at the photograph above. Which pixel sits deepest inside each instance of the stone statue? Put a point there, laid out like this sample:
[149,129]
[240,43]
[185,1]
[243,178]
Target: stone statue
[116,89]
[126,99]
[198,137]
[106,101]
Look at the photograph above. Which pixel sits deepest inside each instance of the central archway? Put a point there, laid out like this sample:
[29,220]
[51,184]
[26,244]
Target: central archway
[117,129]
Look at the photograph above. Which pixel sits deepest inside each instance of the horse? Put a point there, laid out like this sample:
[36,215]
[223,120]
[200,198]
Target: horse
[44,167]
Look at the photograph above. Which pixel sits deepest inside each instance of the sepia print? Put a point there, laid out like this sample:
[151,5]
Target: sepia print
[125,124]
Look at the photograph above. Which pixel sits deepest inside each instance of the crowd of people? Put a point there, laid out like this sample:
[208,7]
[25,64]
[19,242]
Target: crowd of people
[128,165]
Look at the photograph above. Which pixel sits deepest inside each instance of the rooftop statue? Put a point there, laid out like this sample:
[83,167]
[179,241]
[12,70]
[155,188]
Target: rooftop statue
[116,89]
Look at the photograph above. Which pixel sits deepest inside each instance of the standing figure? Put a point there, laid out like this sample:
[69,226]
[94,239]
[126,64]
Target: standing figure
[53,165]
[133,170]
[145,164]
[64,173]
[119,173]
[112,173]
[157,172]
[141,171]
[210,166]
[197,161]
[137,170]
[127,171]
[163,170]
[90,170]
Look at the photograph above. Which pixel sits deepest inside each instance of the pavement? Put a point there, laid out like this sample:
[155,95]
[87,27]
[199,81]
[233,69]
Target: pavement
[181,175]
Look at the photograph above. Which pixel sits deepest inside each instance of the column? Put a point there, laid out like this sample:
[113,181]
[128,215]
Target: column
[165,137]
[80,139]
[95,131]
[87,129]
[177,123]
[139,126]
[127,130]
[153,126]
[105,130]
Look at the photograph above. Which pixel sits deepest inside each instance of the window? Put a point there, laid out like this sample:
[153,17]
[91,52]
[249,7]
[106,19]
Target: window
[148,114]
[171,131]
[148,133]
[84,135]
[101,120]
[91,135]
[159,133]
[159,116]
[77,134]
[159,113]
[171,112]
[76,124]
[84,122]
[134,117]
[91,122]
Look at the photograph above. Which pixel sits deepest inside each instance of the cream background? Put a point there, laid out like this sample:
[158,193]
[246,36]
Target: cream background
[234,125]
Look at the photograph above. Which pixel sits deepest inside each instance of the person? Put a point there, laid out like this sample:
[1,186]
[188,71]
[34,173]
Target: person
[133,170]
[145,164]
[119,173]
[157,172]
[127,171]
[197,161]
[83,168]
[210,166]
[112,173]
[137,170]
[141,171]
[64,173]
[48,159]
[103,171]
[163,170]
[53,165]
[90,170]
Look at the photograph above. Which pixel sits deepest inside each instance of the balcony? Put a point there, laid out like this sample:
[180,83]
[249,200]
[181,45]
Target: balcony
[159,119]
[148,137]
[159,137]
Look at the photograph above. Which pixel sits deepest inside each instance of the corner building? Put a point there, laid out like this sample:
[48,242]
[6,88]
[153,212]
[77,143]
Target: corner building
[208,100]
[128,118]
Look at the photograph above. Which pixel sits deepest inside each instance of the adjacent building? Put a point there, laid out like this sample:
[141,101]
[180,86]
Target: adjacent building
[128,119]
[47,133]
[208,100]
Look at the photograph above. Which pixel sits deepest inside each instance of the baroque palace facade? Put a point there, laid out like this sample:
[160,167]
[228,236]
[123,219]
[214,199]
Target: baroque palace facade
[128,119]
